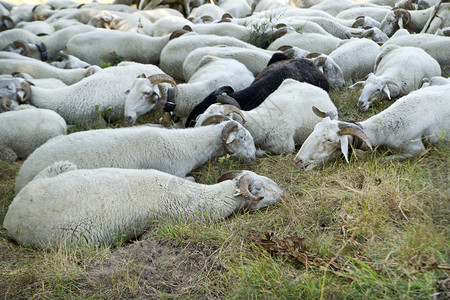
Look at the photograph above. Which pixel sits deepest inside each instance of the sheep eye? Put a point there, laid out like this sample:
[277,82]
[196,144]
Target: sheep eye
[329,140]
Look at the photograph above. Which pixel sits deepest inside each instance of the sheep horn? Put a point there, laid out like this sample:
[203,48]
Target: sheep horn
[224,89]
[177,33]
[7,23]
[162,78]
[23,45]
[63,55]
[359,22]
[244,183]
[5,104]
[446,31]
[352,129]
[320,61]
[233,109]
[229,175]
[313,55]
[280,25]
[206,18]
[214,120]
[409,5]
[227,16]
[284,47]
[227,129]
[369,33]
[392,81]
[280,32]
[225,99]
[25,86]
[405,13]
[322,114]
[187,28]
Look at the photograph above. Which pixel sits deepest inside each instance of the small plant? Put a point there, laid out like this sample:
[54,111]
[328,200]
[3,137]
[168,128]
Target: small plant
[104,65]
[104,113]
[118,237]
[263,34]
[116,58]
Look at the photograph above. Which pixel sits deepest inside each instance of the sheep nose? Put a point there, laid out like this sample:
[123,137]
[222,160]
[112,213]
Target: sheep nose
[298,161]
[129,120]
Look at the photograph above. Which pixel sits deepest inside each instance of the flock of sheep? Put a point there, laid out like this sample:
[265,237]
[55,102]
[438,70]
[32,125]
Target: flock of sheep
[222,93]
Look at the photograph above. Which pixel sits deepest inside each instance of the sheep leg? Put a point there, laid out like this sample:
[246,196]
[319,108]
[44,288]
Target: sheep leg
[8,154]
[409,150]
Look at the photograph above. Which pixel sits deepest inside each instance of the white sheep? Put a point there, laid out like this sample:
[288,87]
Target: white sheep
[334,7]
[100,45]
[436,46]
[254,59]
[424,113]
[12,63]
[24,130]
[211,73]
[176,50]
[354,59]
[101,95]
[175,151]
[64,205]
[283,120]
[236,8]
[397,70]
[169,24]
[313,42]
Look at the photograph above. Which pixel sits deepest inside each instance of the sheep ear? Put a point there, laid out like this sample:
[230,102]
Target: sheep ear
[344,146]
[127,92]
[386,91]
[357,84]
[231,137]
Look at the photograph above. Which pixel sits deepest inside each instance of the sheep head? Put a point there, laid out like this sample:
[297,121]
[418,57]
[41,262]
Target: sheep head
[146,94]
[328,139]
[258,191]
[330,69]
[373,88]
[220,112]
[394,20]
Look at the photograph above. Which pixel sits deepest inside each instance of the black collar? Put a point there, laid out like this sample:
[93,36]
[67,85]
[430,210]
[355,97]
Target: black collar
[43,50]
[170,104]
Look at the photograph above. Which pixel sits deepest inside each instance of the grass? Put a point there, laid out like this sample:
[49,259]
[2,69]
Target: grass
[386,224]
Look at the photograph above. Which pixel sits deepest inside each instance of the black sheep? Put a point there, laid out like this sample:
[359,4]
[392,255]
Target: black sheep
[266,82]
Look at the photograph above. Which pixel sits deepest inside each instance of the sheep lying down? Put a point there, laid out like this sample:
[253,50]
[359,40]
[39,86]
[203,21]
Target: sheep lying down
[64,205]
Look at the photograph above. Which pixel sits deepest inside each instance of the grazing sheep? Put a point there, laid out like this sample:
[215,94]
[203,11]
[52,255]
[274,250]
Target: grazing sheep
[397,70]
[24,130]
[175,151]
[424,113]
[67,206]
[313,42]
[283,120]
[212,72]
[280,67]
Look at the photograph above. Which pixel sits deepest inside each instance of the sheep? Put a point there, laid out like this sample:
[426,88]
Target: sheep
[24,130]
[313,42]
[283,120]
[186,4]
[376,13]
[38,28]
[279,68]
[8,37]
[39,69]
[206,13]
[154,15]
[436,80]
[100,45]
[172,58]
[424,113]
[435,45]
[254,59]
[169,24]
[221,29]
[65,205]
[415,21]
[69,62]
[97,97]
[12,93]
[212,72]
[123,22]
[397,70]
[174,151]
[334,7]
[355,59]
[236,8]
[48,47]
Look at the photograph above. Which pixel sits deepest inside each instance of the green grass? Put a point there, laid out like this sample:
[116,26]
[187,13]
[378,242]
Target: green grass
[386,224]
